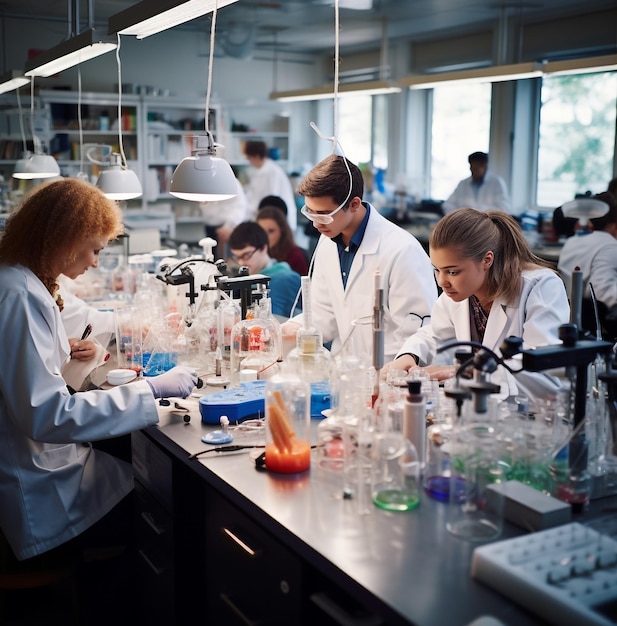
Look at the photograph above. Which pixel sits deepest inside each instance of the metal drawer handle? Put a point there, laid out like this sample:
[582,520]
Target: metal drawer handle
[231,604]
[157,570]
[340,616]
[250,551]
[149,519]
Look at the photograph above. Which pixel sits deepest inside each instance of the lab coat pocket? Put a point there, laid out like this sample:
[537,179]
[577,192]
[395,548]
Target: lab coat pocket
[54,457]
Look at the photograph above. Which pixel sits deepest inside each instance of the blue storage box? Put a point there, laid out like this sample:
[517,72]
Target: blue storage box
[249,400]
[237,404]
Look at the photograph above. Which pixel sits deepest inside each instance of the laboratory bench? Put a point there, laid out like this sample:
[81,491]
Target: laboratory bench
[223,542]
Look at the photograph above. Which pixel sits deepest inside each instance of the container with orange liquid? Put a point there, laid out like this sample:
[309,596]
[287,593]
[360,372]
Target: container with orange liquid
[288,447]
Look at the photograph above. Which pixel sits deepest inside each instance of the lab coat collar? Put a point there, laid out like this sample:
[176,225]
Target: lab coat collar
[497,321]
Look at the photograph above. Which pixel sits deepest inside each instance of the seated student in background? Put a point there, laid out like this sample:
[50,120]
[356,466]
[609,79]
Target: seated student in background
[493,287]
[594,251]
[249,246]
[356,242]
[282,245]
[276,201]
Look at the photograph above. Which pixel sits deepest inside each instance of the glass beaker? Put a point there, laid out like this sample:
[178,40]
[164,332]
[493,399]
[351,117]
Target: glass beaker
[288,448]
[395,479]
[129,337]
[475,513]
[358,433]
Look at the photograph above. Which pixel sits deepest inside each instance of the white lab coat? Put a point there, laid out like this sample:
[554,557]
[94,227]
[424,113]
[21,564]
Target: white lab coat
[53,484]
[406,278]
[491,194]
[229,212]
[541,308]
[271,180]
[596,254]
[77,314]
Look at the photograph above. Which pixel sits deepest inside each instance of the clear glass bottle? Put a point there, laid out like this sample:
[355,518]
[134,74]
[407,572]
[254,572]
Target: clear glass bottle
[256,343]
[346,400]
[438,476]
[287,403]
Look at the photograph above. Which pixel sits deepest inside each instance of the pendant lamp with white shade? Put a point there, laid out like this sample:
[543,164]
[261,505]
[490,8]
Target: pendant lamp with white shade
[203,177]
[116,180]
[39,164]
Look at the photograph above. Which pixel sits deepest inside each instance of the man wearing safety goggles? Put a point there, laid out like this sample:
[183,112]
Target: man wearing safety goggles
[355,244]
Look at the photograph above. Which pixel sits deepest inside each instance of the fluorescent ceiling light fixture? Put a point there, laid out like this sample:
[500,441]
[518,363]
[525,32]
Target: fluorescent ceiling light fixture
[119,183]
[492,74]
[37,166]
[358,5]
[12,80]
[149,17]
[82,47]
[202,177]
[369,87]
[586,65]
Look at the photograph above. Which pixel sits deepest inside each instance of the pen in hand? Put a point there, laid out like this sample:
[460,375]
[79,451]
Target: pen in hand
[81,349]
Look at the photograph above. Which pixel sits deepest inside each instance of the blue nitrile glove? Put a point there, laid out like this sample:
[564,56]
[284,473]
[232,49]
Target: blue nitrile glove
[178,382]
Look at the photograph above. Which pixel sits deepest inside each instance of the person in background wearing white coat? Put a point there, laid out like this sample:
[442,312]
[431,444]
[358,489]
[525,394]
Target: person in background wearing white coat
[222,216]
[483,190]
[268,178]
[595,253]
[493,287]
[55,487]
[355,243]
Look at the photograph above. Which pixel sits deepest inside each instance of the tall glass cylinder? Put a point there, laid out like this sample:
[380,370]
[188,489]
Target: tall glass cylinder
[288,447]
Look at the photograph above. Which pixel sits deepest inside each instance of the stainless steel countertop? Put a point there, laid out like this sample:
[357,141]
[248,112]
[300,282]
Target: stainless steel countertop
[405,562]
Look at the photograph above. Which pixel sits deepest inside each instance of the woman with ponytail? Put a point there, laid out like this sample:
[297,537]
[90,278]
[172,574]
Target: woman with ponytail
[493,287]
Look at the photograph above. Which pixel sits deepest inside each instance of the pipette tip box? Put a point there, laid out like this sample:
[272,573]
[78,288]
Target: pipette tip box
[249,400]
[237,404]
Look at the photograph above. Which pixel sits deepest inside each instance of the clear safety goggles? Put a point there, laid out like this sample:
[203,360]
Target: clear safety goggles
[321,218]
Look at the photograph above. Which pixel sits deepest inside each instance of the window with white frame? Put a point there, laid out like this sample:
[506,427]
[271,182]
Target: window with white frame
[460,126]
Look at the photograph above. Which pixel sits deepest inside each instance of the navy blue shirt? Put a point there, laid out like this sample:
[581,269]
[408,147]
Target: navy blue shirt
[346,254]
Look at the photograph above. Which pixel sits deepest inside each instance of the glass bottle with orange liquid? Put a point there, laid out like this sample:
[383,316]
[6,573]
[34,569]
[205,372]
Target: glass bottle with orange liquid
[288,446]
